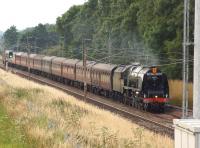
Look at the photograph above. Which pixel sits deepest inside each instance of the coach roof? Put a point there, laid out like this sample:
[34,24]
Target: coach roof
[48,58]
[38,57]
[104,67]
[122,68]
[24,54]
[71,61]
[19,53]
[32,55]
[58,60]
[88,63]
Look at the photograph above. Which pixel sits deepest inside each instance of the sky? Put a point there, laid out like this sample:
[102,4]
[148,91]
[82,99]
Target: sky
[29,13]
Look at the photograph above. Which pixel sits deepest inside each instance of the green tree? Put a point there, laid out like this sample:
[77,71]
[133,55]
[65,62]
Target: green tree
[10,37]
[132,27]
[42,36]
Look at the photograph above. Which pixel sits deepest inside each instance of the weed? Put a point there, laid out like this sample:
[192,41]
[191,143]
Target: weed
[20,93]
[138,134]
[10,133]
[41,121]
[51,118]
[59,136]
[176,91]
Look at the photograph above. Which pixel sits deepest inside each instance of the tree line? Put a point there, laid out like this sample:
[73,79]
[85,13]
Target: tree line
[120,32]
[37,38]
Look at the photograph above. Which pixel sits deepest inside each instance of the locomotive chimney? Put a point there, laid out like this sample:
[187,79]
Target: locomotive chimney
[196,83]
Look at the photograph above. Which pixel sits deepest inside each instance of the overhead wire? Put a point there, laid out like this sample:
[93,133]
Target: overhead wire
[166,62]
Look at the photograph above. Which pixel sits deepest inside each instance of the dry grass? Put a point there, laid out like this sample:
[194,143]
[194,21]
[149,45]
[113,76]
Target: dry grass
[51,118]
[175,89]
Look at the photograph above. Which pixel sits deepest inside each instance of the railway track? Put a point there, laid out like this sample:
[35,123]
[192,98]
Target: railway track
[178,108]
[159,123]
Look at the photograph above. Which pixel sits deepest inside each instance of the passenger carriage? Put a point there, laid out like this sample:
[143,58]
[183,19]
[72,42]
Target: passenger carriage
[69,70]
[57,70]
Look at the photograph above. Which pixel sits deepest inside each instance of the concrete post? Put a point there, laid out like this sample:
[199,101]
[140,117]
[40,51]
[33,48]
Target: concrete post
[196,83]
[187,133]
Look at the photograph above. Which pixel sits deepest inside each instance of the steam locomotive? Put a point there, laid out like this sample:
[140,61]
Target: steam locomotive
[135,84]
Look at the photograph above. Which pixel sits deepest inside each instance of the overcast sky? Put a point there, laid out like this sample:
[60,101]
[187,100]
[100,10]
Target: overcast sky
[29,13]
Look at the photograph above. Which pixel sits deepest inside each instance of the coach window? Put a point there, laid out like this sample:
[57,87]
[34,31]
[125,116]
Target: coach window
[101,76]
[55,66]
[88,74]
[58,66]
[104,76]
[79,70]
[92,73]
[107,77]
[96,75]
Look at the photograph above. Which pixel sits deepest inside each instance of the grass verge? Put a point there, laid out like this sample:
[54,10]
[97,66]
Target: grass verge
[51,118]
[11,134]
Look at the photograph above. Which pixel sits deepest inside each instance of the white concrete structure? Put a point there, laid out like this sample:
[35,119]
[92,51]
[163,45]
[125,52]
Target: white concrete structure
[187,133]
[196,83]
